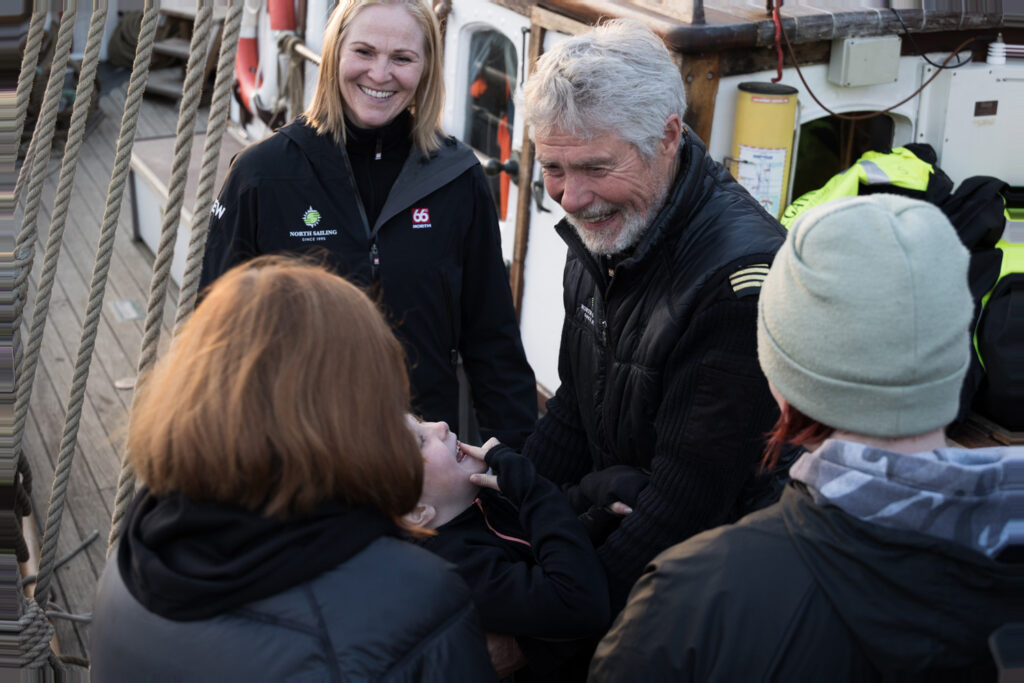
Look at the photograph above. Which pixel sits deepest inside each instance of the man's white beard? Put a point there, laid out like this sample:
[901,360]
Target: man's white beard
[634,225]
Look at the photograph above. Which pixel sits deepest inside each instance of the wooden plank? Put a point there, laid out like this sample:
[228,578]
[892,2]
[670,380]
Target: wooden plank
[700,75]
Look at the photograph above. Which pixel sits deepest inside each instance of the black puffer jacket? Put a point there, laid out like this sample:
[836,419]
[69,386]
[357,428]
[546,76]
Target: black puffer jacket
[442,282]
[658,364]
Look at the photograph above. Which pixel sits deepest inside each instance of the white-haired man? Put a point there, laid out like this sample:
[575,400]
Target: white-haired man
[658,358]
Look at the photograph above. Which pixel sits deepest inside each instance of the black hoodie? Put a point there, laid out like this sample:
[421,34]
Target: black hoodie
[532,569]
[187,560]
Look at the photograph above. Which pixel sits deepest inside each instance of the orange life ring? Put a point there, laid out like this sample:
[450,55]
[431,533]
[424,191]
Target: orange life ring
[247,58]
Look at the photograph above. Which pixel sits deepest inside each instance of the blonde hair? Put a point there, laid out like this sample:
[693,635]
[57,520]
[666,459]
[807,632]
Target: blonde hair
[285,388]
[326,113]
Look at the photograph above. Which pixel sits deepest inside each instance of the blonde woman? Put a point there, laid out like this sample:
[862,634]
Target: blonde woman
[277,466]
[366,177]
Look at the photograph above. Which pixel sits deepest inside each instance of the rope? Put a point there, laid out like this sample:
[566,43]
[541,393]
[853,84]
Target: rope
[25,81]
[58,219]
[31,578]
[34,635]
[42,138]
[27,162]
[168,233]
[90,325]
[219,107]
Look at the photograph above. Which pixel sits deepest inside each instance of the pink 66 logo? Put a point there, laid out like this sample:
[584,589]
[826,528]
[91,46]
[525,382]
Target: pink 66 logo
[421,215]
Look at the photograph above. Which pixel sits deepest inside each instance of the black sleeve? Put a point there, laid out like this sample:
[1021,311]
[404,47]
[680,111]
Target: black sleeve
[233,228]
[502,382]
[710,426]
[563,594]
[558,448]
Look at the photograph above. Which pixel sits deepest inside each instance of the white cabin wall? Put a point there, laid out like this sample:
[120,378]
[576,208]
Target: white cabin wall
[837,98]
[970,144]
[942,115]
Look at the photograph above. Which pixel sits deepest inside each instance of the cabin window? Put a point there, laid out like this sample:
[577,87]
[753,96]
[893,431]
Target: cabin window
[830,145]
[490,113]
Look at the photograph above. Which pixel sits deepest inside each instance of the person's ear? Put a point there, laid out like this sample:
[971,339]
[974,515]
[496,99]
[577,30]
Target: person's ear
[421,515]
[672,135]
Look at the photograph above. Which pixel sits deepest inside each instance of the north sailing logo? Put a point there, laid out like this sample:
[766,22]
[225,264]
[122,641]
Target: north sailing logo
[311,218]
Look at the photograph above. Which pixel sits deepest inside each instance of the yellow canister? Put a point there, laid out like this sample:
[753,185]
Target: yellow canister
[762,141]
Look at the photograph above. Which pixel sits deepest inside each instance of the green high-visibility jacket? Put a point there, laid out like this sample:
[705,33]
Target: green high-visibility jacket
[901,168]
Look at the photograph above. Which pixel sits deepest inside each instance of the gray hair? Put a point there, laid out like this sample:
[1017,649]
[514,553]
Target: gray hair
[617,78]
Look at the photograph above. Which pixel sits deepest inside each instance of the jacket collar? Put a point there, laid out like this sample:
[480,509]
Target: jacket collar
[421,174]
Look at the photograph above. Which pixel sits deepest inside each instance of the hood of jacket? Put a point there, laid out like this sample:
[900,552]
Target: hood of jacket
[188,560]
[911,601]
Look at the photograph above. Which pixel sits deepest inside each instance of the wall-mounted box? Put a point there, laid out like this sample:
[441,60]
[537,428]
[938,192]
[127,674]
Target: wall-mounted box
[864,61]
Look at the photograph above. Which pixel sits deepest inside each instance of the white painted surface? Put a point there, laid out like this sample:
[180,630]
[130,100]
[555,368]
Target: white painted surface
[985,144]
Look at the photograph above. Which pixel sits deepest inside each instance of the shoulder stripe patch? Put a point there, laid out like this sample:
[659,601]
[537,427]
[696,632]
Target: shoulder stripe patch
[749,277]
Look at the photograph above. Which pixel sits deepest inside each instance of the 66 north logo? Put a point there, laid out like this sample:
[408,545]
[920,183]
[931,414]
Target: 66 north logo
[420,219]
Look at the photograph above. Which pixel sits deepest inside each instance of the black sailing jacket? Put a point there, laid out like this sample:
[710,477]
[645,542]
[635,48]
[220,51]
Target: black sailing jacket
[658,365]
[441,276]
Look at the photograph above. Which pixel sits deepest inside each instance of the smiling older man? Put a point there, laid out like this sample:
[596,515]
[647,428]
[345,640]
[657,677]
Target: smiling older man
[661,402]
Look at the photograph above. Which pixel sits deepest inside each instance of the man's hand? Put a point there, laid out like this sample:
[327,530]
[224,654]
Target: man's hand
[506,657]
[485,480]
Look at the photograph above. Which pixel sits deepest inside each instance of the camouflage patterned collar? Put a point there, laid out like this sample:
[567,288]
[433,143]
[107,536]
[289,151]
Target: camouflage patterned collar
[971,497]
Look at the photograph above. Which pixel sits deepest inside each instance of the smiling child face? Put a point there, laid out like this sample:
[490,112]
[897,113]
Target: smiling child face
[446,467]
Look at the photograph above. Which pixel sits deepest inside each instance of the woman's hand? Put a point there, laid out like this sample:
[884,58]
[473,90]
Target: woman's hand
[480,452]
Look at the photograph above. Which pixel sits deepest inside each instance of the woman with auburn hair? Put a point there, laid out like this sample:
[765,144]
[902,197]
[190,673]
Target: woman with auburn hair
[276,467]
[367,177]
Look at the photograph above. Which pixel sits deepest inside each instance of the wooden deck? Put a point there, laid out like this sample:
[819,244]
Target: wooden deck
[95,471]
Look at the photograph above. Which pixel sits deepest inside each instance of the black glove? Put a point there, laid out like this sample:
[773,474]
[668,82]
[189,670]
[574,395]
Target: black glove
[616,483]
[599,523]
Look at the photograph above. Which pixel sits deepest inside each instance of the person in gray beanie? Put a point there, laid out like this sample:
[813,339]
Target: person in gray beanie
[892,554]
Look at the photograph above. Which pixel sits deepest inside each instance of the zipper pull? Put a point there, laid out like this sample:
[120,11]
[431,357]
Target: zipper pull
[376,157]
[454,356]
[374,260]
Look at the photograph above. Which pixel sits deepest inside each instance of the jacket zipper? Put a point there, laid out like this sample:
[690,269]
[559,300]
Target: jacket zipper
[374,259]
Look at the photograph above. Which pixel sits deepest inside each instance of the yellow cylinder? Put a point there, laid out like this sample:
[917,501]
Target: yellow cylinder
[762,141]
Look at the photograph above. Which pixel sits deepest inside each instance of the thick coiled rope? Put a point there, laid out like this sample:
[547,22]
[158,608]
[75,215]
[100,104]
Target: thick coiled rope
[34,635]
[104,251]
[194,73]
[219,107]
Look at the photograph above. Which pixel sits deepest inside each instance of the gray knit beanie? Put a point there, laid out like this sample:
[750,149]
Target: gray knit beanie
[863,319]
